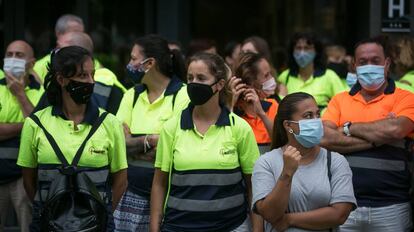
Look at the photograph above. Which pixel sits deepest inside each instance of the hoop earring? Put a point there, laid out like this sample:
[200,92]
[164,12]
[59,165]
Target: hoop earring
[290,130]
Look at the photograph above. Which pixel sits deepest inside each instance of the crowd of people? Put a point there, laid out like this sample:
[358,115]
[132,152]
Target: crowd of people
[202,142]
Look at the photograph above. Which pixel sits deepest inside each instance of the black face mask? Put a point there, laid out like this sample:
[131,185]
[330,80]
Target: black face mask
[135,74]
[80,92]
[200,93]
[341,69]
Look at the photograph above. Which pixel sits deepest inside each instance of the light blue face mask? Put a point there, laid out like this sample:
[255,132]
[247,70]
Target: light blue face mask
[303,58]
[371,77]
[351,79]
[310,132]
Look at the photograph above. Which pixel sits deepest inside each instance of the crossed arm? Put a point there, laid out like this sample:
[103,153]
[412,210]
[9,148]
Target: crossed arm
[365,135]
[135,145]
[273,209]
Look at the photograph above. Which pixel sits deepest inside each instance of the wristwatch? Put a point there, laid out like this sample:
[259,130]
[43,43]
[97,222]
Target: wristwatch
[347,125]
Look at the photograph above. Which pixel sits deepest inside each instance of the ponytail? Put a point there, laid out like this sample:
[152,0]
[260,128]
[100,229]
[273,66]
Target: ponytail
[178,65]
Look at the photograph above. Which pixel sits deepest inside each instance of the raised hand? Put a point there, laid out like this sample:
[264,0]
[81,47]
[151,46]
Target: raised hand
[237,88]
[291,159]
[15,85]
[253,101]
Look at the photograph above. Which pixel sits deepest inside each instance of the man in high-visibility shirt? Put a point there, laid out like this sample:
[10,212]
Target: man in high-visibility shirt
[19,93]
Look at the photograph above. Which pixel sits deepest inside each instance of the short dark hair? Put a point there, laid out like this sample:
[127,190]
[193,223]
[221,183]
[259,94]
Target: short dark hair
[287,107]
[382,41]
[230,47]
[310,38]
[200,45]
[64,62]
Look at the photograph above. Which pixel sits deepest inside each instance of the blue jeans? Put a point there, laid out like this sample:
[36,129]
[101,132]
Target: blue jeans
[395,218]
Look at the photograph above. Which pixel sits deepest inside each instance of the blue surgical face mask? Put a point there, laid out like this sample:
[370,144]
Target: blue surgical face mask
[371,77]
[137,73]
[303,58]
[310,132]
[351,79]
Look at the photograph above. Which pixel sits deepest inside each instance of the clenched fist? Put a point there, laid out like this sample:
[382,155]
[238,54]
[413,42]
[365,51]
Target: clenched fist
[291,159]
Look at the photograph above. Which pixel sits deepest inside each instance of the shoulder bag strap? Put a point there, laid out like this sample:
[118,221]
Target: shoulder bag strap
[329,160]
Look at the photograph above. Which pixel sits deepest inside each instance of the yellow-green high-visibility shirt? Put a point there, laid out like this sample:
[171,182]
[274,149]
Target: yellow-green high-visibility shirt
[105,148]
[228,144]
[405,86]
[322,85]
[408,78]
[143,117]
[206,171]
[346,87]
[10,112]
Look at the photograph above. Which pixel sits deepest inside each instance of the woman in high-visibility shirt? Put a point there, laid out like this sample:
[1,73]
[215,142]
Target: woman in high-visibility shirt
[205,156]
[158,95]
[307,70]
[69,120]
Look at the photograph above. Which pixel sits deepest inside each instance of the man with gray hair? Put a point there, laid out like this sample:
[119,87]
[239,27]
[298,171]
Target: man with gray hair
[108,91]
[65,23]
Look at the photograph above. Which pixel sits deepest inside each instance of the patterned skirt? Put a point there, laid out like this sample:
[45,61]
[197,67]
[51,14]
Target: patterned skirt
[132,213]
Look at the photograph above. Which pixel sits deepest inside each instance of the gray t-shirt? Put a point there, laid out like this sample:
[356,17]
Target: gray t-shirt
[310,184]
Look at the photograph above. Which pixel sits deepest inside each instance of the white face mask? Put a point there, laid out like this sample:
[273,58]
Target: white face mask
[269,86]
[15,66]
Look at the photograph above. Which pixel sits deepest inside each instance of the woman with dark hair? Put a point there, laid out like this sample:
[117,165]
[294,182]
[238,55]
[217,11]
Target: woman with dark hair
[258,45]
[307,70]
[204,159]
[231,52]
[158,95]
[69,86]
[299,186]
[201,45]
[252,86]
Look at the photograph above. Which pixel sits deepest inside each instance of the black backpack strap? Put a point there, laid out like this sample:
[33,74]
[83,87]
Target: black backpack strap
[329,160]
[51,140]
[56,148]
[95,127]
